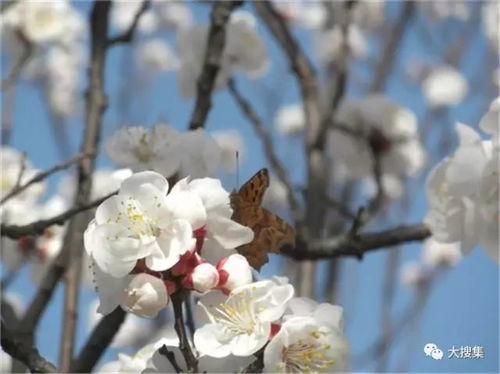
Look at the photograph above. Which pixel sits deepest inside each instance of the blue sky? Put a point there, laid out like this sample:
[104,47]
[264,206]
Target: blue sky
[462,309]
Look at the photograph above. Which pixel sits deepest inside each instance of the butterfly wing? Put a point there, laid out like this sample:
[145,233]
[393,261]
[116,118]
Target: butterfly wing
[271,234]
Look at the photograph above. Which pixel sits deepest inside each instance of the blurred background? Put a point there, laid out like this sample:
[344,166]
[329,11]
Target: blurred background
[441,67]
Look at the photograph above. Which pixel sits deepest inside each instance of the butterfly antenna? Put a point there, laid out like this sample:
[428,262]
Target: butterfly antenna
[237,169]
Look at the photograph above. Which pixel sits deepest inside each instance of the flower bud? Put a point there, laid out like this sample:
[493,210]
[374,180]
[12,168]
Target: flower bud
[203,278]
[234,271]
[145,296]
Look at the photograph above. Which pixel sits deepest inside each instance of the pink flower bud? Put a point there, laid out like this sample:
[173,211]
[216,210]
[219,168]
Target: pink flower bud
[203,278]
[234,271]
[145,296]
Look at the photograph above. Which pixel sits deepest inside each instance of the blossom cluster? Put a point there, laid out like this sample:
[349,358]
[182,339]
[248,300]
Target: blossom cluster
[462,190]
[147,244]
[295,334]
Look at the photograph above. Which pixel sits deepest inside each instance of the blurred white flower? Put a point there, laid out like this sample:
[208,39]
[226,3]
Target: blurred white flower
[436,254]
[155,55]
[440,10]
[413,274]
[244,51]
[164,150]
[310,15]
[230,142]
[290,119]
[145,295]
[392,185]
[17,168]
[123,13]
[241,325]
[141,149]
[330,43]
[173,14]
[310,339]
[43,21]
[200,155]
[135,363]
[392,130]
[444,86]
[369,14]
[491,18]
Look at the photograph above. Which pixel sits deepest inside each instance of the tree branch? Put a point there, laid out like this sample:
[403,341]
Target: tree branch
[99,340]
[180,329]
[391,46]
[128,35]
[73,242]
[216,40]
[43,175]
[358,245]
[25,353]
[36,228]
[267,143]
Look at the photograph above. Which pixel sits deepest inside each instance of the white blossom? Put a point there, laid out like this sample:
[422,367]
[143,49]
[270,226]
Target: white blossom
[154,56]
[444,86]
[145,296]
[164,150]
[290,119]
[141,149]
[142,222]
[222,233]
[330,43]
[392,130]
[462,193]
[490,12]
[244,51]
[310,15]
[414,274]
[439,10]
[241,325]
[123,13]
[309,340]
[436,254]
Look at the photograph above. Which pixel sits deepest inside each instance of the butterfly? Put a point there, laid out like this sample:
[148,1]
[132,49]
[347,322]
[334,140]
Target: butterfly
[271,233]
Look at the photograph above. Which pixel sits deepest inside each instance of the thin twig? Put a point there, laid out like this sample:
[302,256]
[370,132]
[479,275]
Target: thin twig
[189,314]
[357,246]
[269,150]
[128,35]
[96,104]
[180,329]
[98,341]
[43,175]
[38,227]
[25,353]
[216,40]
[393,40]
